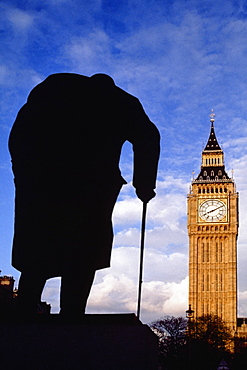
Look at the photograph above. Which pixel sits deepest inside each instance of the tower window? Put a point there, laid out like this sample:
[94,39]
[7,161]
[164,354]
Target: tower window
[220,173]
[225,190]
[216,190]
[221,282]
[199,191]
[207,286]
[212,173]
[216,177]
[220,252]
[205,173]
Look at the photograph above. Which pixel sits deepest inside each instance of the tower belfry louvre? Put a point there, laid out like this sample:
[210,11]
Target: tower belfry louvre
[213,231]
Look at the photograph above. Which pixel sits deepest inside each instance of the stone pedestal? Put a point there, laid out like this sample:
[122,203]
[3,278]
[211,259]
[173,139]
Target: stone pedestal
[111,342]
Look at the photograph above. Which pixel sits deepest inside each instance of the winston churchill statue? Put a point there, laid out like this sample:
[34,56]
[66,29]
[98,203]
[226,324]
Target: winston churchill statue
[65,146]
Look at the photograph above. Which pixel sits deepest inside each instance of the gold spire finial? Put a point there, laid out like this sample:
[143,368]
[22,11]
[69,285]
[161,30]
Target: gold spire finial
[212,115]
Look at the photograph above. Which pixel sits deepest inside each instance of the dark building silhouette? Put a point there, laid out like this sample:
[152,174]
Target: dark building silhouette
[7,294]
[8,299]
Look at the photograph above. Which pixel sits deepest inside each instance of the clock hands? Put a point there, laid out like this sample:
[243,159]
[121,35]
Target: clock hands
[212,210]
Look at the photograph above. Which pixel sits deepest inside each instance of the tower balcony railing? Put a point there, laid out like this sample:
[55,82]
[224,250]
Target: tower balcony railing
[210,181]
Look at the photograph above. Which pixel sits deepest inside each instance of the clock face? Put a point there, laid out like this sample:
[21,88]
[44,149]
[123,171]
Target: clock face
[212,210]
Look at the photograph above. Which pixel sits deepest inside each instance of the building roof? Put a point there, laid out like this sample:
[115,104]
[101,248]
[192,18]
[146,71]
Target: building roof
[212,143]
[213,171]
[213,174]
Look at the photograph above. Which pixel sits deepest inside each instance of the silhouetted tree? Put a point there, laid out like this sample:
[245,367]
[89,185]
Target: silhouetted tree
[211,341]
[171,332]
[213,330]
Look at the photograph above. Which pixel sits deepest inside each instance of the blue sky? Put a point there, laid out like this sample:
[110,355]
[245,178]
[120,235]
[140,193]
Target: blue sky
[181,59]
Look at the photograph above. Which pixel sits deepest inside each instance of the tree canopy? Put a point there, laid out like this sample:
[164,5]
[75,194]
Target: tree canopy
[171,332]
[213,330]
[201,342]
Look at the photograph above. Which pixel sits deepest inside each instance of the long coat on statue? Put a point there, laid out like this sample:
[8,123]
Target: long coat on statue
[65,147]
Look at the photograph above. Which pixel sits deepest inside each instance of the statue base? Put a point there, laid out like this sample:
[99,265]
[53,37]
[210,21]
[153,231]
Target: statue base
[118,341]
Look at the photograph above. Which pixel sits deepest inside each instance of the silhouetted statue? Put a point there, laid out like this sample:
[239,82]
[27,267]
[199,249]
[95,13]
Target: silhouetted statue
[65,147]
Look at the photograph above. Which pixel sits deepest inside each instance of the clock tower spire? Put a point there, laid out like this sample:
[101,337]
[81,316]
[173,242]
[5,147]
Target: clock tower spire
[212,167]
[213,231]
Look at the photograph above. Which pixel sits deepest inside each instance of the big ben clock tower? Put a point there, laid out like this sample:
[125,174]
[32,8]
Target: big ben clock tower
[213,231]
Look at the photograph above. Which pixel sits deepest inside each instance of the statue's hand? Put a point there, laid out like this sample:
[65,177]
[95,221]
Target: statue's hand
[145,195]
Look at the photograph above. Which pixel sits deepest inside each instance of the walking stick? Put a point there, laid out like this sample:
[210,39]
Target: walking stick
[144,211]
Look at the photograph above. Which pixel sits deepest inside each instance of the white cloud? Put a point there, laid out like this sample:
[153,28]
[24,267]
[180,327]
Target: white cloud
[21,20]
[160,238]
[51,294]
[4,73]
[168,206]
[115,289]
[239,165]
[165,267]
[119,294]
[161,299]
[86,53]
[165,222]
[173,183]
[127,211]
[242,303]
[167,209]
